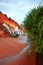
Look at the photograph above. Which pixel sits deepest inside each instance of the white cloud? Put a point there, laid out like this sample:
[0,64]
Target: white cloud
[16,9]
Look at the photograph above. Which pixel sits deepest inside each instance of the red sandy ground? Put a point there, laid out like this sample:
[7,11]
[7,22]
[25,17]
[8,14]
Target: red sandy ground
[24,60]
[10,47]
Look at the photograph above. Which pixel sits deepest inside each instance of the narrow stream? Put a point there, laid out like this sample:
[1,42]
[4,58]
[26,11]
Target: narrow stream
[23,39]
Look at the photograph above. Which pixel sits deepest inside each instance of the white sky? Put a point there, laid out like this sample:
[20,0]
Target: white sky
[17,9]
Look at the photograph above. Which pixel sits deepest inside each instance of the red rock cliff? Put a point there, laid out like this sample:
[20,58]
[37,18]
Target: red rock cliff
[10,22]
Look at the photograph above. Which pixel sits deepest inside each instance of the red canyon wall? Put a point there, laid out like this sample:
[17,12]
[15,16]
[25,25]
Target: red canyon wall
[10,22]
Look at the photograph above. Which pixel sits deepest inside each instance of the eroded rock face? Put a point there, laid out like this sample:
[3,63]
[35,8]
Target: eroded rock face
[9,24]
[3,31]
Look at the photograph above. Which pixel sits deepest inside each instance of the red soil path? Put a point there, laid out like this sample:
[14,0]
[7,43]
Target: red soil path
[11,47]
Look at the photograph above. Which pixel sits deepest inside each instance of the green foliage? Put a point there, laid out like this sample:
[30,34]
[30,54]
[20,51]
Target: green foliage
[33,24]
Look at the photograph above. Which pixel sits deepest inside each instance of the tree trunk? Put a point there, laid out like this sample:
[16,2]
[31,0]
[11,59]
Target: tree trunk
[40,59]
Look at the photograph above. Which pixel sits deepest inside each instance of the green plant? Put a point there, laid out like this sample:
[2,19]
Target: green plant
[33,24]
